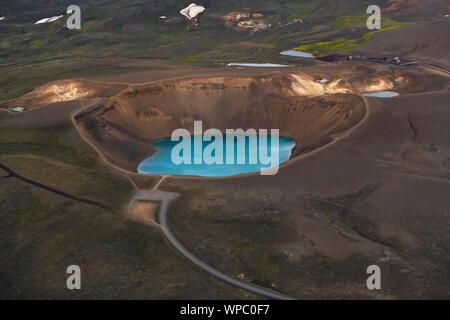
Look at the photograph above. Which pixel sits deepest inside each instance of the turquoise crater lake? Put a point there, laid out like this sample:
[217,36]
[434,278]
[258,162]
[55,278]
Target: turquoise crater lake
[161,161]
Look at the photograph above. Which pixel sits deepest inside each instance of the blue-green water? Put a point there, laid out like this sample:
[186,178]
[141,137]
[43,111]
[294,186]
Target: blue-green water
[297,53]
[17,109]
[161,162]
[381,94]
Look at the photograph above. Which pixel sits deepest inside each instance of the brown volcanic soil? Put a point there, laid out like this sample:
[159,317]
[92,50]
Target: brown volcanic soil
[424,41]
[382,191]
[124,126]
[420,8]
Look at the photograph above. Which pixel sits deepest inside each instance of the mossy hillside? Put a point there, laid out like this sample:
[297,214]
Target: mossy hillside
[342,45]
[133,29]
[43,233]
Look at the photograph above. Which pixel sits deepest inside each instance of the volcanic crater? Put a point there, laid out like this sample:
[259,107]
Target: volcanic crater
[311,113]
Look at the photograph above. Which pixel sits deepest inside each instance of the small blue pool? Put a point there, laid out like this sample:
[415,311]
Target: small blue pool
[297,53]
[381,94]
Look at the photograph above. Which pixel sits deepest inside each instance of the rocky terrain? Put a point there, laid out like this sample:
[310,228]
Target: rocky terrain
[62,91]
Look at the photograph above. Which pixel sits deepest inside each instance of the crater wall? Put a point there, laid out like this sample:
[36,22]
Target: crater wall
[309,112]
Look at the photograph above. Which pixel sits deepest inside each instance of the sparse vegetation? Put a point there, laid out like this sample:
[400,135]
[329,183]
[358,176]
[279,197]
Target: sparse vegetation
[41,233]
[360,21]
[244,243]
[120,29]
[341,45]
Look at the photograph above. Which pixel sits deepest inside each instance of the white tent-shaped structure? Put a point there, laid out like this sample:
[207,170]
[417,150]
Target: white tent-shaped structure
[192,11]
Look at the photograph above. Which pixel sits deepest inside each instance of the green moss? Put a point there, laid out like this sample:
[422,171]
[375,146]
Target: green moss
[366,37]
[298,9]
[342,45]
[344,22]
[324,48]
[333,80]
[37,42]
[254,45]
[96,16]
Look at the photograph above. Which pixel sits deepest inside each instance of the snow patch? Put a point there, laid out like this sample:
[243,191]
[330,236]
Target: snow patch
[192,10]
[47,20]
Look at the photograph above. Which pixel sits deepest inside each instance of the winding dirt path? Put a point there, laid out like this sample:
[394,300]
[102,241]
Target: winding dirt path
[12,174]
[165,198]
